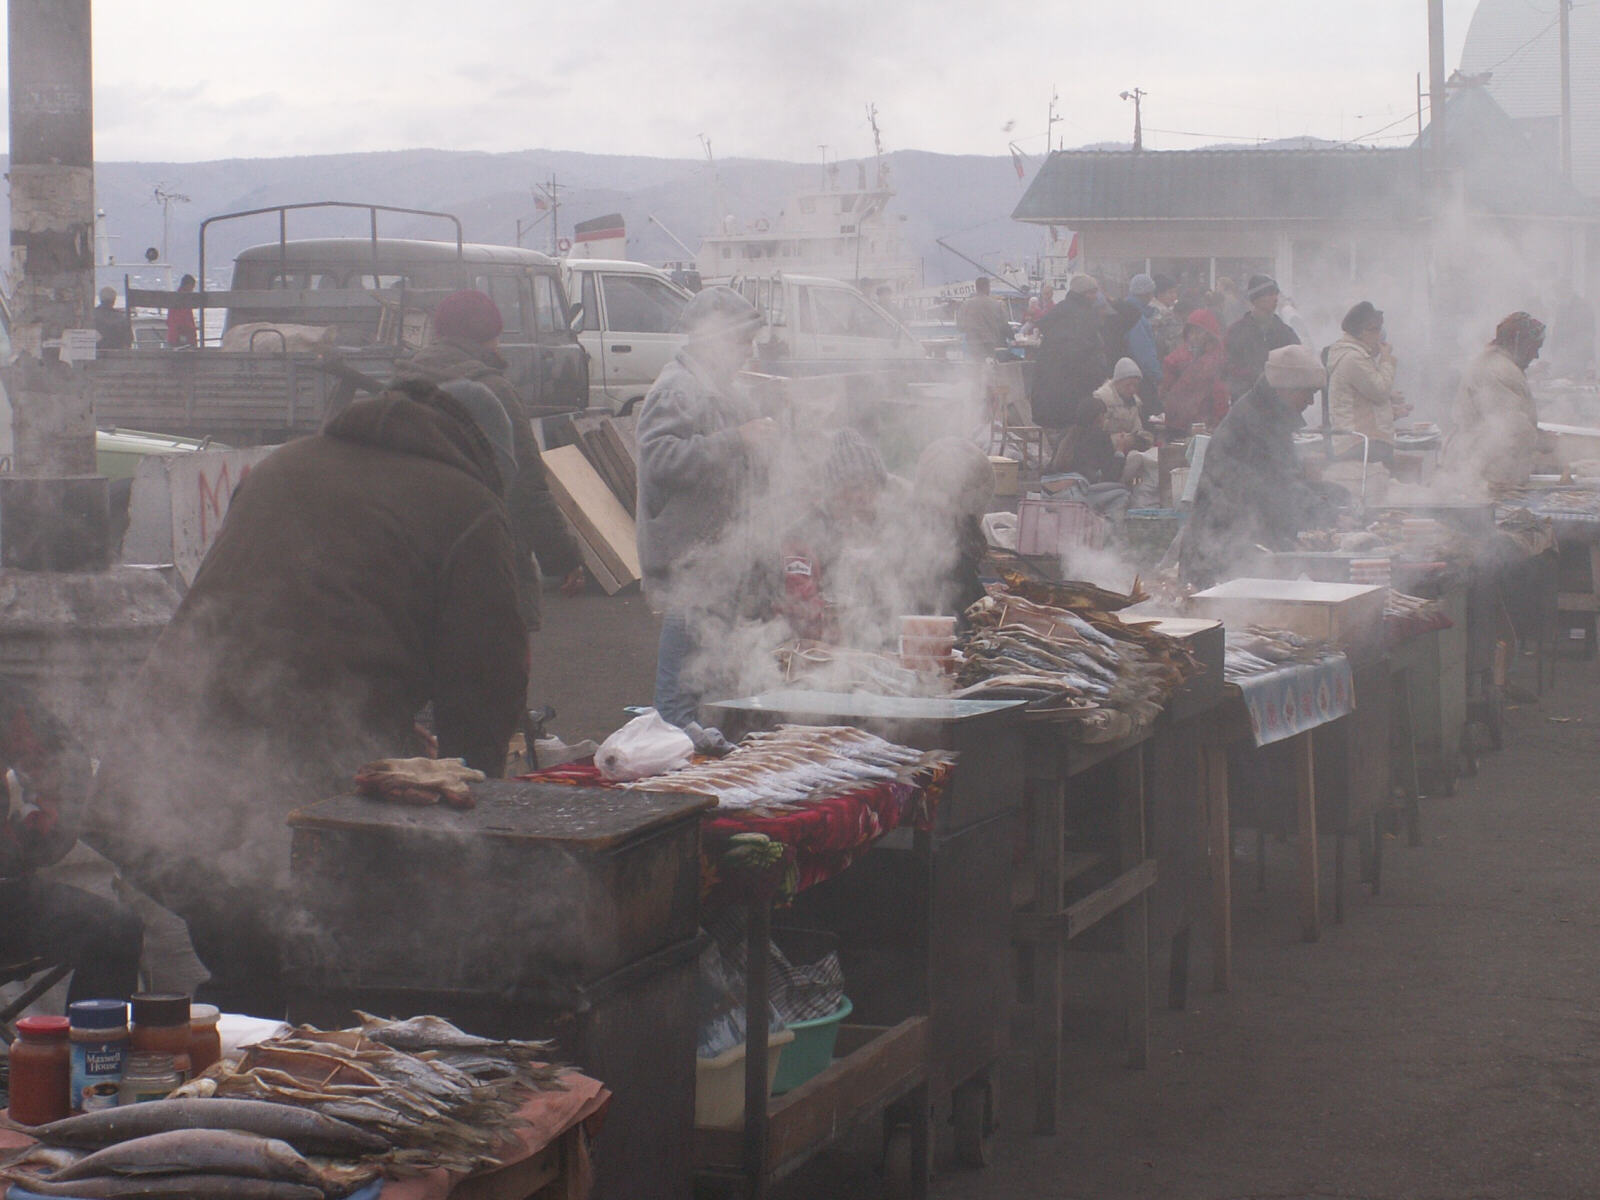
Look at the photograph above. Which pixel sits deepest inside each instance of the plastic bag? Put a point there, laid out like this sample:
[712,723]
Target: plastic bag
[645,746]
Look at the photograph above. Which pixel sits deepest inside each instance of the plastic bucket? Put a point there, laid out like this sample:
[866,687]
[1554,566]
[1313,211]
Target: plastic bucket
[719,1082]
[812,1049]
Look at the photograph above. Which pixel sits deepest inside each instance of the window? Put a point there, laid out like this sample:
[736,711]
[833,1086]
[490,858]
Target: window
[842,313]
[546,305]
[640,304]
[505,293]
[803,303]
[591,302]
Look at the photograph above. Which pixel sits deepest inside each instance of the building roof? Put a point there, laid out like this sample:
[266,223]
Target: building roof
[1503,173]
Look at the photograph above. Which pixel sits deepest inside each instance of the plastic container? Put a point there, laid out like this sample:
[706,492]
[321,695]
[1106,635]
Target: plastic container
[811,1052]
[719,1082]
[41,1071]
[1054,527]
[100,1041]
[148,1077]
[205,1043]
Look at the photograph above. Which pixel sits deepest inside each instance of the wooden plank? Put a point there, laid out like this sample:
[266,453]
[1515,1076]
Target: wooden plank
[598,514]
[1305,787]
[619,437]
[1101,903]
[596,567]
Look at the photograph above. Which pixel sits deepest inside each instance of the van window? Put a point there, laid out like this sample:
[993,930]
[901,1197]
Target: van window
[546,305]
[591,302]
[504,290]
[640,304]
[842,313]
[802,300]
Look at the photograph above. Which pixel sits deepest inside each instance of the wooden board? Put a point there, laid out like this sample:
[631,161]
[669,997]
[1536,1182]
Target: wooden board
[596,567]
[598,515]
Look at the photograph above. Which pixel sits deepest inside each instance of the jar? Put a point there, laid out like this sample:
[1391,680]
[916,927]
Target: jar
[147,1077]
[41,1071]
[99,1052]
[161,1026]
[205,1043]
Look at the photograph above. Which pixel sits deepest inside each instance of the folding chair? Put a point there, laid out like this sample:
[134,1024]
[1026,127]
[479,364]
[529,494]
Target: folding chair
[21,969]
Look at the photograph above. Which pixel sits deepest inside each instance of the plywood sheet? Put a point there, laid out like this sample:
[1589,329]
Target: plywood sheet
[596,512]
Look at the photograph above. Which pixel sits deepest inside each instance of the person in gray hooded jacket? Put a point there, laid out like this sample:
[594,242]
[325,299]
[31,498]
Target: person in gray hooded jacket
[699,438]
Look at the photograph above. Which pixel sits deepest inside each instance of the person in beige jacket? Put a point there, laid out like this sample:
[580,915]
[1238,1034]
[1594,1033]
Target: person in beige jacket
[1361,392]
[1496,437]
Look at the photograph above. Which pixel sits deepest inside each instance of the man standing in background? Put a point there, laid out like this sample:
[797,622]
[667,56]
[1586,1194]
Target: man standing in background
[982,321]
[1255,335]
[112,325]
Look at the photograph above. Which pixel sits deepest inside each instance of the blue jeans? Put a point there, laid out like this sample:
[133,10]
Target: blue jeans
[677,704]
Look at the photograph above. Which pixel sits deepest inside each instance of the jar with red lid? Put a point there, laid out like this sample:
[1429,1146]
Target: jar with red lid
[41,1071]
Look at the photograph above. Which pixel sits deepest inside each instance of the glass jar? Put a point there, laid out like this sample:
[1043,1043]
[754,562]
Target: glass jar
[205,1043]
[99,1052]
[161,1026]
[147,1077]
[41,1071]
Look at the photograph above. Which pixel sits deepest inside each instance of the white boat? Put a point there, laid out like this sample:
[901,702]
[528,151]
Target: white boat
[835,231]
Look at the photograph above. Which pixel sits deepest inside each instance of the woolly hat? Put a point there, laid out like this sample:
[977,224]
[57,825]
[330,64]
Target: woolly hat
[1083,285]
[1126,368]
[1142,285]
[1292,367]
[1261,285]
[716,312]
[489,415]
[1361,317]
[853,463]
[469,315]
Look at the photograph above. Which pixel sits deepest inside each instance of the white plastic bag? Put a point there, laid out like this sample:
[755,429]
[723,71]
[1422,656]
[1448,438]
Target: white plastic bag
[645,746]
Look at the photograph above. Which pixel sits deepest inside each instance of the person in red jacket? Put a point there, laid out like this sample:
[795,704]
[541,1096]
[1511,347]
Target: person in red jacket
[181,331]
[1193,390]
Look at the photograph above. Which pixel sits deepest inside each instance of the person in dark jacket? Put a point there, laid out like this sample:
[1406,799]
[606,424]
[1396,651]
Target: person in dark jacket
[466,330]
[1252,491]
[360,575]
[111,323]
[1086,447]
[1255,335]
[1072,359]
[1140,341]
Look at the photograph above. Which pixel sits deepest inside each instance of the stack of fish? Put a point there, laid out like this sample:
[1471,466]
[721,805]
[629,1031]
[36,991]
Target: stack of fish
[312,1114]
[1050,644]
[1257,650]
[794,764]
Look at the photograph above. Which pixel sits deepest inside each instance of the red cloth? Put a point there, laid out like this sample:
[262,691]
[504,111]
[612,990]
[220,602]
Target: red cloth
[181,329]
[1192,387]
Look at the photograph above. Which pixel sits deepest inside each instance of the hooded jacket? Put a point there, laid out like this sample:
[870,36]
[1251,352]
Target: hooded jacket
[1122,416]
[359,575]
[1496,436]
[694,469]
[1192,387]
[1072,360]
[1251,490]
[536,519]
[1360,394]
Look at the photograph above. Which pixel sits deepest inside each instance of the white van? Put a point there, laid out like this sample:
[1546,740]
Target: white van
[630,312]
[813,319]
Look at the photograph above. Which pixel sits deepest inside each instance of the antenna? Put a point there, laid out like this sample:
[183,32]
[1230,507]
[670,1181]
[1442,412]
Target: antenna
[1050,124]
[167,199]
[877,145]
[548,195]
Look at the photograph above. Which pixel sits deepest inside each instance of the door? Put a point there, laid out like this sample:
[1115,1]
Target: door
[592,338]
[639,334]
[849,327]
[509,291]
[563,365]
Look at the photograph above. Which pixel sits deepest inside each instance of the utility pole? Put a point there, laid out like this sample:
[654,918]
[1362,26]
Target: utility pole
[1566,87]
[167,199]
[1436,89]
[1050,124]
[551,192]
[1137,95]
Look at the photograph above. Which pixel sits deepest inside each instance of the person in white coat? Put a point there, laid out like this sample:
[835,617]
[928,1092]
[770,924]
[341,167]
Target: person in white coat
[1496,440]
[1361,392]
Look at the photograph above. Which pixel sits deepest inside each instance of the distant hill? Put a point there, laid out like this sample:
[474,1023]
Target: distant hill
[965,199]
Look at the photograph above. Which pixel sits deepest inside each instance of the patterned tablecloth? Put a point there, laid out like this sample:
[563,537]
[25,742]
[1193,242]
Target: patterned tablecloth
[809,843]
[1296,698]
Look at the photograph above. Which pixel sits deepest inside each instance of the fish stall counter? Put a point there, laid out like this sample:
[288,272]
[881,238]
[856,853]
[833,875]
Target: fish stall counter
[541,911]
[949,955]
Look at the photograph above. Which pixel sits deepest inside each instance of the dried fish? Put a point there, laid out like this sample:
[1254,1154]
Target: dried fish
[202,1151]
[307,1132]
[171,1187]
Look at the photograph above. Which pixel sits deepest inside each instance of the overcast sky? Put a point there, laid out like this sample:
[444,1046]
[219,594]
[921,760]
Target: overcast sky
[181,80]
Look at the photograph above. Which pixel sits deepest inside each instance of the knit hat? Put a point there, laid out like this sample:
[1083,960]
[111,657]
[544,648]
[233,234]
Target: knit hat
[1083,285]
[1164,283]
[1142,285]
[1291,367]
[1261,285]
[469,315]
[489,415]
[1126,368]
[1362,316]
[1520,327]
[716,312]
[853,462]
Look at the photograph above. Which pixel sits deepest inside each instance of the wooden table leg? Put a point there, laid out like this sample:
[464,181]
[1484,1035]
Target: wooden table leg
[1305,786]
[1219,853]
[1048,1014]
[1129,773]
[757,937]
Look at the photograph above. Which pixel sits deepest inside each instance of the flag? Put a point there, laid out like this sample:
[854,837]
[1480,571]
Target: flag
[540,204]
[1016,161]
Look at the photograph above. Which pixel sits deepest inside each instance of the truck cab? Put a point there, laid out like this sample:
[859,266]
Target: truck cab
[628,325]
[814,319]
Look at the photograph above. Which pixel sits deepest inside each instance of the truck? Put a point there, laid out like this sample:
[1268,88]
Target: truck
[626,319]
[309,322]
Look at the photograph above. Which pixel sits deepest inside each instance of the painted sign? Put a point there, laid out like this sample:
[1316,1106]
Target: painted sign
[179,502]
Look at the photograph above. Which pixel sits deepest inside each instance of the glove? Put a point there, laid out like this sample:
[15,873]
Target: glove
[419,781]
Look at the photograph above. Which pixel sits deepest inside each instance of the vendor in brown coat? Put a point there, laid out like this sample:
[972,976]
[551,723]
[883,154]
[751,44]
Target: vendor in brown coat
[359,575]
[466,330]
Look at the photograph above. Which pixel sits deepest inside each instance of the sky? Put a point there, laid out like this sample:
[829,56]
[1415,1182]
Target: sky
[181,80]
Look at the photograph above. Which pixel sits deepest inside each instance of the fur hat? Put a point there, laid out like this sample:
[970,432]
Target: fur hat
[1292,367]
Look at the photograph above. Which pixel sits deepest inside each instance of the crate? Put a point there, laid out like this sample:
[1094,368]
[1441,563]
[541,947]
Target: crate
[1054,528]
[1349,615]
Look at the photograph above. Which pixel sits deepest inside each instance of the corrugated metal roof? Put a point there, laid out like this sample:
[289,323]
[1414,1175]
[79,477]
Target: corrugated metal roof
[1223,185]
